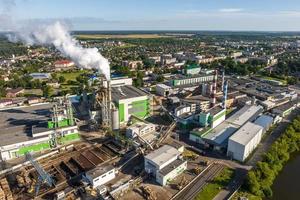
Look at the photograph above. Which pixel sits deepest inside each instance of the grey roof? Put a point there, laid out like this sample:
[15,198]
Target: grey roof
[15,123]
[221,133]
[245,134]
[170,167]
[245,114]
[264,120]
[176,144]
[40,128]
[100,170]
[215,110]
[286,106]
[162,155]
[10,138]
[126,92]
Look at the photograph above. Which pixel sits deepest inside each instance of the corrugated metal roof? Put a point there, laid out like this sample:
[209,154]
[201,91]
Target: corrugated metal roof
[246,133]
[221,133]
[163,154]
[126,92]
[264,120]
[245,114]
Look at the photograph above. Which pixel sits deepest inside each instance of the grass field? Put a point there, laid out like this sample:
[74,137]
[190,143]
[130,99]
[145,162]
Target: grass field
[216,185]
[70,75]
[34,92]
[100,36]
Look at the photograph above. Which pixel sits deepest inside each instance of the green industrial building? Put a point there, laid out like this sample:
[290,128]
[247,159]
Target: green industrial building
[131,101]
[192,69]
[43,136]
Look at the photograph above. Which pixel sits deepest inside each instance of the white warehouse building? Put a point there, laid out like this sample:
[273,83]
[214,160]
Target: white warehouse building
[163,90]
[101,175]
[264,121]
[140,129]
[244,141]
[165,164]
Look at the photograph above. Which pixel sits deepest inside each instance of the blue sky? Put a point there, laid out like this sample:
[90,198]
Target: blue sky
[259,15]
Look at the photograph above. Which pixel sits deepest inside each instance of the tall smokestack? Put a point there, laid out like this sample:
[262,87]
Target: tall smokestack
[214,90]
[223,79]
[225,94]
[109,91]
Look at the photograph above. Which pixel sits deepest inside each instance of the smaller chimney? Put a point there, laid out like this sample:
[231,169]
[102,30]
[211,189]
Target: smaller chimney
[225,94]
[214,90]
[223,79]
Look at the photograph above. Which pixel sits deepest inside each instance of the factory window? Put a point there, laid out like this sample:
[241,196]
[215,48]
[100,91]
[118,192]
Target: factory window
[110,172]
[97,179]
[103,176]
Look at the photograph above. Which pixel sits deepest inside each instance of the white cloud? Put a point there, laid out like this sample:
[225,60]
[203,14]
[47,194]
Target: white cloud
[231,10]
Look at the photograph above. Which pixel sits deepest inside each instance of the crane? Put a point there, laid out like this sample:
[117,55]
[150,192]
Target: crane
[43,177]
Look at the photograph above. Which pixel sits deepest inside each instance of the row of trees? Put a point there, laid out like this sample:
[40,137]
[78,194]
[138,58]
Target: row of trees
[7,49]
[260,179]
[233,67]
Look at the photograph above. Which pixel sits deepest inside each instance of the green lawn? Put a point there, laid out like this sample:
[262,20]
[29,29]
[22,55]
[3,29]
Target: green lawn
[210,190]
[33,92]
[70,75]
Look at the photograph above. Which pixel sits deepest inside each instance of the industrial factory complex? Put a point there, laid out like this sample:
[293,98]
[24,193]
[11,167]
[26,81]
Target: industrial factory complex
[119,137]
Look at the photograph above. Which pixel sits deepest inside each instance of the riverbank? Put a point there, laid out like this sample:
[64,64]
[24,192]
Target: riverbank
[286,184]
[262,177]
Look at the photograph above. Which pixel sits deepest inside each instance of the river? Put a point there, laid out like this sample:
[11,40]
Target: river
[287,183]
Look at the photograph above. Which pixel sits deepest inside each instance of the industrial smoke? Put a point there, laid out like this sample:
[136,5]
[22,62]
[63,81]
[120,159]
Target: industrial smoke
[58,35]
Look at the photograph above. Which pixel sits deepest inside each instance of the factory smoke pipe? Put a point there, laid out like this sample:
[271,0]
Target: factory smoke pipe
[223,78]
[225,91]
[109,92]
[214,90]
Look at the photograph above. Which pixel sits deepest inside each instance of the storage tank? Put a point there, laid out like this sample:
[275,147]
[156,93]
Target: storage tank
[115,119]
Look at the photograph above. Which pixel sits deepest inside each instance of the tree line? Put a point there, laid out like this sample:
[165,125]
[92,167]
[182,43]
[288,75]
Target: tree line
[261,178]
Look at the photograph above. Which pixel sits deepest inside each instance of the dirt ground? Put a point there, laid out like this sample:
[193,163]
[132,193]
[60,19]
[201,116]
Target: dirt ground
[160,192]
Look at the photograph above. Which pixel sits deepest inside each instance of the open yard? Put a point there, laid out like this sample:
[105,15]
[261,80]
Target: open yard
[70,75]
[34,92]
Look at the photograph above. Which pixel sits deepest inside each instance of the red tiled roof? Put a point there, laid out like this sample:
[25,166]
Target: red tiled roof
[61,62]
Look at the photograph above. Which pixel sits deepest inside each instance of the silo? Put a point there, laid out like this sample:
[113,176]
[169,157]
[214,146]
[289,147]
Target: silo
[115,119]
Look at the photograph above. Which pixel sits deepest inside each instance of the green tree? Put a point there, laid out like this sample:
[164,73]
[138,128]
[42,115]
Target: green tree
[252,183]
[47,90]
[61,79]
[160,78]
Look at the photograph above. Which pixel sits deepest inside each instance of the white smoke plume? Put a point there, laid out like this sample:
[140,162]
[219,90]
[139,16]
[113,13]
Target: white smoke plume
[57,34]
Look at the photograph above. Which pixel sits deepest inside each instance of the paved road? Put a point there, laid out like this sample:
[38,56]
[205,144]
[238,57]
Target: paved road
[241,173]
[236,182]
[191,191]
[267,142]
